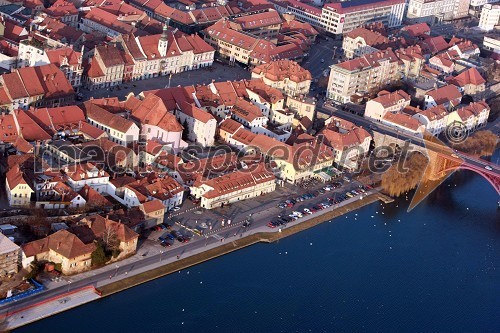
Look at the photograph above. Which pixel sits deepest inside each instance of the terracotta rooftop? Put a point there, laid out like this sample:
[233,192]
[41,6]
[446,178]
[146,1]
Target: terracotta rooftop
[445,94]
[62,242]
[388,99]
[370,37]
[470,76]
[106,118]
[403,120]
[281,70]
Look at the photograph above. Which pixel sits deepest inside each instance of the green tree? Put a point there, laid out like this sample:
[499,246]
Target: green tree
[98,256]
[185,132]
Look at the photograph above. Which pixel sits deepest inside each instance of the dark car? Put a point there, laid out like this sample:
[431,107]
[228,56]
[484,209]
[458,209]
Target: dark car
[163,237]
[175,233]
[246,224]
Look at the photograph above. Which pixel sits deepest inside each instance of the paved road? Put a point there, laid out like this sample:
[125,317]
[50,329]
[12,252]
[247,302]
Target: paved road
[384,129]
[201,76]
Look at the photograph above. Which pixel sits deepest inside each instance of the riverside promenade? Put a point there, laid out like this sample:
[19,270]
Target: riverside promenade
[101,284]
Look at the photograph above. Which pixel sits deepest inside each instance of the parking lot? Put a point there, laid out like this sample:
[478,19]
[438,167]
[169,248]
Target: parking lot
[193,223]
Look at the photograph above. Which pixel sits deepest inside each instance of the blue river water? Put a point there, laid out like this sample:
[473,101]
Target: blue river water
[380,268]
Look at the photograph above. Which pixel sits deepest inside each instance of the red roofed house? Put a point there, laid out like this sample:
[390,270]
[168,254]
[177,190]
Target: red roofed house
[285,75]
[19,187]
[96,227]
[232,187]
[60,196]
[120,130]
[36,86]
[248,114]
[444,62]
[347,141]
[104,22]
[449,96]
[386,102]
[63,11]
[200,125]
[404,122]
[473,116]
[434,119]
[465,48]
[470,82]
[361,41]
[154,209]
[61,247]
[156,121]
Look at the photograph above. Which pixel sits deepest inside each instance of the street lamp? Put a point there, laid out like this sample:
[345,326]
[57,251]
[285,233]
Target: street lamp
[69,284]
[116,272]
[161,255]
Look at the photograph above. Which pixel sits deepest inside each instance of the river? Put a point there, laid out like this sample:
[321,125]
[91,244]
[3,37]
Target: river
[436,268]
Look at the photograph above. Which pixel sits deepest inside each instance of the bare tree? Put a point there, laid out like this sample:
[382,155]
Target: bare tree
[110,239]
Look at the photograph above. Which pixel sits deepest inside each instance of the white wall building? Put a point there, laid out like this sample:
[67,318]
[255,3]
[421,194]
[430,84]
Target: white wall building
[490,17]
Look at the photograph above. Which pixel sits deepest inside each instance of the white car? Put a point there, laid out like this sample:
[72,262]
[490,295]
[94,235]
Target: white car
[298,214]
[176,208]
[488,168]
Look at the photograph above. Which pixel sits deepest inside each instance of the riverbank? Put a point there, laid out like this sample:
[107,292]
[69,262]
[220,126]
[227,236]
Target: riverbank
[264,237]
[21,318]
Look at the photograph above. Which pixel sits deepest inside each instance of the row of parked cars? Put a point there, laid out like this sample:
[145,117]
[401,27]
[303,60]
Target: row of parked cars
[169,238]
[291,202]
[282,219]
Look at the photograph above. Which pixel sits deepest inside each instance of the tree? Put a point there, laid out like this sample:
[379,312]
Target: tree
[481,143]
[395,182]
[185,132]
[110,239]
[98,256]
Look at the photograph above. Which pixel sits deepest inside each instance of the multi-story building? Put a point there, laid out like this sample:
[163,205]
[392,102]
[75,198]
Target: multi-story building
[473,116]
[233,187]
[361,41]
[348,142]
[490,17]
[362,75]
[434,119]
[64,11]
[412,62]
[120,130]
[386,102]
[200,125]
[19,187]
[404,122]
[156,122]
[63,248]
[35,86]
[431,11]
[469,82]
[33,52]
[263,25]
[286,75]
[342,17]
[248,49]
[99,20]
[476,6]
[10,255]
[449,96]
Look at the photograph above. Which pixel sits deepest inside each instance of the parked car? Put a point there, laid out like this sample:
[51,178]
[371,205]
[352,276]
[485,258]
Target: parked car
[176,208]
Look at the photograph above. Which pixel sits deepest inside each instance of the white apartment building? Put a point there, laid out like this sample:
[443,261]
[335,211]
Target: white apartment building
[119,129]
[201,125]
[434,119]
[386,102]
[341,17]
[18,187]
[431,11]
[490,17]
[362,75]
[476,6]
[492,43]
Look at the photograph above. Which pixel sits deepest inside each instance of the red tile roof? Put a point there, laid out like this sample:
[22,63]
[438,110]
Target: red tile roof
[109,20]
[62,242]
[281,70]
[152,206]
[63,55]
[372,38]
[258,20]
[152,111]
[403,120]
[416,30]
[61,8]
[194,112]
[470,76]
[445,94]
[389,99]
[106,118]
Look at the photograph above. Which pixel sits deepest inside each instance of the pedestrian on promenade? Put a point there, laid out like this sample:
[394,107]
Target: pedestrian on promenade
[178,257]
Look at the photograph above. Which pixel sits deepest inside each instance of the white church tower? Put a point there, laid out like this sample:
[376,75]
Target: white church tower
[163,42]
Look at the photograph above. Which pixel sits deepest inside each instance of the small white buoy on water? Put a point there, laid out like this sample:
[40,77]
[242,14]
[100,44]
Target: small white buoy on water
[372,216]
[201,282]
[390,247]
[182,310]
[310,243]
[356,214]
[399,220]
[467,208]
[286,252]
